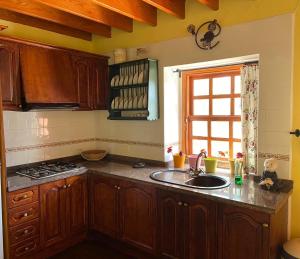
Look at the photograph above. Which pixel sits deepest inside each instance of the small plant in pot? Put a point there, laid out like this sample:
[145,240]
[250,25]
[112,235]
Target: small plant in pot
[178,158]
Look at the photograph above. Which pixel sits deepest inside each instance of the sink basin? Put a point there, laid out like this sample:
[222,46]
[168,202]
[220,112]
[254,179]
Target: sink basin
[208,181]
[182,178]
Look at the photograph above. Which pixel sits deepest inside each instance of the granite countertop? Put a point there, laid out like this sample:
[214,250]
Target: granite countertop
[248,195]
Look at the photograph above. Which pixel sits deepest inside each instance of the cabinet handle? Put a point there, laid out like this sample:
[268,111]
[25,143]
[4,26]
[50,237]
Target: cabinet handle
[116,186]
[25,196]
[265,225]
[25,215]
[180,203]
[119,187]
[26,248]
[185,204]
[65,186]
[69,185]
[26,231]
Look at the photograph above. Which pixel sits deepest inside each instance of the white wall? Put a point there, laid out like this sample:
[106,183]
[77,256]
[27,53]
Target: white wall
[271,39]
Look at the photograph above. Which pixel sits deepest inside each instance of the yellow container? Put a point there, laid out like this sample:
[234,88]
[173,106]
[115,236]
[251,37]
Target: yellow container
[179,161]
[210,165]
[232,166]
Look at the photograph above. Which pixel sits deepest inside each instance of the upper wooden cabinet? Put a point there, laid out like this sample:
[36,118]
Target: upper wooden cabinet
[91,76]
[10,75]
[35,75]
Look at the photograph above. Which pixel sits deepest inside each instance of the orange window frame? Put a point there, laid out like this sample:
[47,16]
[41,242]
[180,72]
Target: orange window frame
[187,106]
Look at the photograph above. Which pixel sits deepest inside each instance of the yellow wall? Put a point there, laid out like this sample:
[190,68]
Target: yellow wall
[42,36]
[295,225]
[231,12]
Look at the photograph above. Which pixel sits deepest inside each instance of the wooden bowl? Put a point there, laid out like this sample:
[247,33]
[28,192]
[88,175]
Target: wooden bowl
[93,155]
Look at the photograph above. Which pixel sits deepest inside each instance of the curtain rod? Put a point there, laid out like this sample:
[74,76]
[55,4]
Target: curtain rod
[239,63]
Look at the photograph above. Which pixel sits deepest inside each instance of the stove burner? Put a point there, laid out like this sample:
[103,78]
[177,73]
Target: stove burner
[45,170]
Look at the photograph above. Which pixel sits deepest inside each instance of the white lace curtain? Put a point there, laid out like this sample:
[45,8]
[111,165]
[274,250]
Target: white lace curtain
[249,97]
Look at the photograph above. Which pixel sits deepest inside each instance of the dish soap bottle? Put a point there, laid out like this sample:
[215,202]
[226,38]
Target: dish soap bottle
[238,169]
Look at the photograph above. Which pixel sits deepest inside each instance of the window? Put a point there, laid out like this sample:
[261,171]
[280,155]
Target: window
[212,111]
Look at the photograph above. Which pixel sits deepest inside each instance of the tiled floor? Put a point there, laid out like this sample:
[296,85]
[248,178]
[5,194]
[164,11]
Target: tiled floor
[90,250]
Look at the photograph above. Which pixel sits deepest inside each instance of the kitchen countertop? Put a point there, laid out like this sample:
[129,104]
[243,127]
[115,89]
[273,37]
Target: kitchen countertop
[248,195]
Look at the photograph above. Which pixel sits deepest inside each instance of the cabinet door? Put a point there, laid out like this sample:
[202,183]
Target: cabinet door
[53,212]
[82,77]
[200,228]
[77,204]
[10,75]
[242,233]
[138,215]
[99,82]
[104,205]
[170,215]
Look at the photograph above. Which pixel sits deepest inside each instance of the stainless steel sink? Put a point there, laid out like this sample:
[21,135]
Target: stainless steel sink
[203,181]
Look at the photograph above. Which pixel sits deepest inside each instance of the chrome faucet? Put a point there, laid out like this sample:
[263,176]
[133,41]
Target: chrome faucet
[194,172]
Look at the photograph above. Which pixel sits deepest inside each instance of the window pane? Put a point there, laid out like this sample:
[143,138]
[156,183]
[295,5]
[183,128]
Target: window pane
[237,130]
[201,87]
[221,106]
[199,128]
[198,145]
[201,107]
[237,147]
[219,146]
[222,85]
[237,106]
[237,84]
[220,129]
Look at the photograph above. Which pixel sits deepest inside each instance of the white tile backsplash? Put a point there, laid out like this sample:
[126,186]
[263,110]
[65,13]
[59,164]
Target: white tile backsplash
[23,129]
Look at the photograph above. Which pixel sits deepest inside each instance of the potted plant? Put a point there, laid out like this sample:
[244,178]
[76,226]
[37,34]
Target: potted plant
[178,158]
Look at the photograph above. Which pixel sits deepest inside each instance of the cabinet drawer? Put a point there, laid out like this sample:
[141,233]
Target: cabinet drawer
[24,231]
[23,214]
[25,249]
[23,197]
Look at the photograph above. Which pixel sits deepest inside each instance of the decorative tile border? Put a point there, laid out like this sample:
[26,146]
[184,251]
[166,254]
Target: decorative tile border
[119,141]
[129,142]
[54,144]
[277,156]
[79,141]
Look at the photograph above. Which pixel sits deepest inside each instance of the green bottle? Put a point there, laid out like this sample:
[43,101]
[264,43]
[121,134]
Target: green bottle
[238,172]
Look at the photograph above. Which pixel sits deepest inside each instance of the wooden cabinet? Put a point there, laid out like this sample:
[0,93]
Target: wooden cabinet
[53,212]
[24,223]
[61,77]
[243,233]
[91,80]
[124,210]
[10,75]
[104,208]
[77,205]
[138,215]
[186,226]
[63,209]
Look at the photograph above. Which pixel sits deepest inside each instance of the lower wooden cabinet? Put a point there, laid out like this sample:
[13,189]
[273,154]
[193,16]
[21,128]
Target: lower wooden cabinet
[186,226]
[243,233]
[63,209]
[104,208]
[124,210]
[138,215]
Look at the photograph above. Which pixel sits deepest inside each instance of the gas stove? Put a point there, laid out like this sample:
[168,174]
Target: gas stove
[45,170]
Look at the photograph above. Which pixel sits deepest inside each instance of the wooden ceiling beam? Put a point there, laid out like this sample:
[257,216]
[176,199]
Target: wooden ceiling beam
[135,9]
[43,24]
[39,11]
[213,4]
[173,7]
[89,10]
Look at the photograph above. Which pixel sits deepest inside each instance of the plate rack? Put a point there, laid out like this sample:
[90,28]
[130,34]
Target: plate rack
[134,90]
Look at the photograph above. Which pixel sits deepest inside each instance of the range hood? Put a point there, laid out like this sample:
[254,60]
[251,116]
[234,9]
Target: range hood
[47,78]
